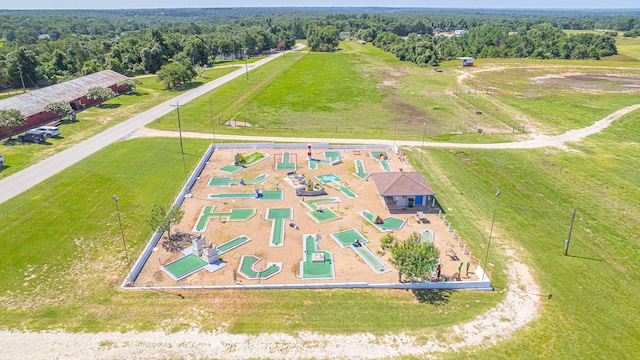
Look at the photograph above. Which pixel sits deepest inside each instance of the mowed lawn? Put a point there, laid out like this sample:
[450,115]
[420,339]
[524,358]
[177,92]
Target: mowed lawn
[96,119]
[359,90]
[592,312]
[63,260]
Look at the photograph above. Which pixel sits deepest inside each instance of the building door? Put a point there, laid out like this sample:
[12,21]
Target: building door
[419,200]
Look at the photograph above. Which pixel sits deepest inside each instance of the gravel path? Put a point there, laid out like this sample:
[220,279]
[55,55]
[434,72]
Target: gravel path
[538,141]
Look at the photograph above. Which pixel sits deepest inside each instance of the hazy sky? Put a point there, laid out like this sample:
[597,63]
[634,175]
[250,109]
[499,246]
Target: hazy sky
[137,4]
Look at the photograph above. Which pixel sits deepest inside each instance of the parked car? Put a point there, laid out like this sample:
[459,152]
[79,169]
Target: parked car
[50,131]
[1,161]
[34,137]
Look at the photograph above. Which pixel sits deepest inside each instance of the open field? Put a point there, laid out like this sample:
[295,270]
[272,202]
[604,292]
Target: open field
[366,91]
[62,257]
[96,119]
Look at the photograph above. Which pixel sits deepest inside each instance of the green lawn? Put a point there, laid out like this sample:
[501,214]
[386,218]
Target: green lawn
[95,120]
[592,313]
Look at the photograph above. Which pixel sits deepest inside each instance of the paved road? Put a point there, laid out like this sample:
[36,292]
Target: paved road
[33,175]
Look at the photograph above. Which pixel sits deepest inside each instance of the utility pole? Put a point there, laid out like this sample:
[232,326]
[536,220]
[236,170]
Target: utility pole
[213,127]
[184,164]
[566,243]
[246,65]
[424,133]
[24,89]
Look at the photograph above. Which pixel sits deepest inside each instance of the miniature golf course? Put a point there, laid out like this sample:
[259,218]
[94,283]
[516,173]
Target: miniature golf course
[328,178]
[360,173]
[244,162]
[234,215]
[278,218]
[232,244]
[347,238]
[385,165]
[325,214]
[316,264]
[265,195]
[427,235]
[227,181]
[248,268]
[333,155]
[388,224]
[286,163]
[183,267]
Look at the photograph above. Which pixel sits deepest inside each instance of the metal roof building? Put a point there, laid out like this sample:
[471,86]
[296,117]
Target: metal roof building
[33,102]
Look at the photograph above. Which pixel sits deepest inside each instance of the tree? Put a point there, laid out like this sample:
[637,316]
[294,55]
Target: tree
[324,38]
[131,83]
[174,75]
[413,258]
[160,218]
[10,119]
[101,93]
[61,108]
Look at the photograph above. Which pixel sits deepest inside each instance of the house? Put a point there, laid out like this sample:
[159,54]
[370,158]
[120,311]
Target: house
[466,61]
[399,190]
[32,103]
[460,32]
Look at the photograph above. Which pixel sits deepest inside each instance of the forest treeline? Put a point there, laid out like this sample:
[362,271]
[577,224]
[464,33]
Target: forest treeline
[40,48]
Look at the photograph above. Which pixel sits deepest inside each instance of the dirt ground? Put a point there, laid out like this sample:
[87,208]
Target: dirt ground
[349,267]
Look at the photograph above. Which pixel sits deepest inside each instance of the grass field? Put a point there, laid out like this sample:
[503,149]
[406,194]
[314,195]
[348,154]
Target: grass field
[95,120]
[595,292]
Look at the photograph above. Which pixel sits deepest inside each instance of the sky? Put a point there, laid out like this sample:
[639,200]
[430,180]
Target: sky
[469,4]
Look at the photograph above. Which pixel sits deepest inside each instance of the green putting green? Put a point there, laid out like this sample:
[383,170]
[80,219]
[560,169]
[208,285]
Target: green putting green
[232,244]
[253,158]
[328,178]
[227,181]
[266,195]
[378,266]
[184,267]
[248,270]
[278,217]
[333,155]
[360,173]
[345,190]
[385,165]
[313,165]
[375,154]
[220,181]
[325,215]
[388,224]
[286,163]
[208,213]
[231,168]
[348,237]
[313,203]
[318,269]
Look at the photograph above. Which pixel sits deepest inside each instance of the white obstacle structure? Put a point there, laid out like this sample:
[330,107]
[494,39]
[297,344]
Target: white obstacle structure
[207,252]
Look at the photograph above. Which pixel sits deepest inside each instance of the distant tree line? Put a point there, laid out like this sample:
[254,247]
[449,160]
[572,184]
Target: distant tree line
[40,48]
